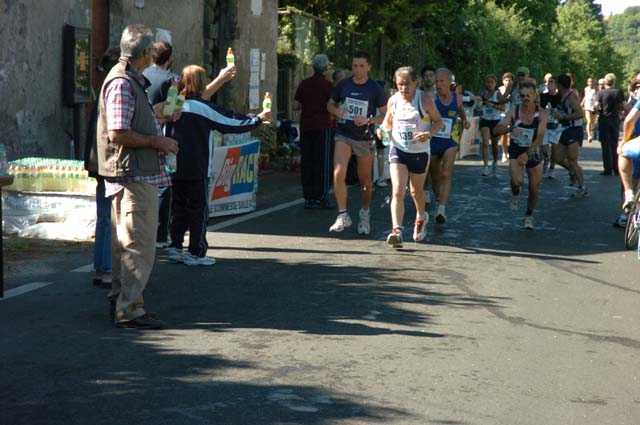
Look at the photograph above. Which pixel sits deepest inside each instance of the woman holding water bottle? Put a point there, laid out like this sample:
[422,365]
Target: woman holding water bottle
[409,123]
[190,208]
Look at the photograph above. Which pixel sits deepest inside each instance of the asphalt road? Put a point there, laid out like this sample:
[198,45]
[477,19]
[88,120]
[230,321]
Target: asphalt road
[483,323]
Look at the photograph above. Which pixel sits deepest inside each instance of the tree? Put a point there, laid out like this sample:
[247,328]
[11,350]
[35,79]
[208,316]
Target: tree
[585,50]
[624,30]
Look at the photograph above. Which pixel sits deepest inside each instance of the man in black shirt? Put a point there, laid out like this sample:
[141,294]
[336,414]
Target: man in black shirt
[610,102]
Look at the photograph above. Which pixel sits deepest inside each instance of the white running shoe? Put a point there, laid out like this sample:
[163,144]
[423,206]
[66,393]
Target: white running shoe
[629,197]
[420,228]
[441,217]
[364,227]
[342,222]
[552,173]
[192,260]
[528,222]
[395,238]
[515,203]
[382,183]
[175,255]
[485,171]
[504,157]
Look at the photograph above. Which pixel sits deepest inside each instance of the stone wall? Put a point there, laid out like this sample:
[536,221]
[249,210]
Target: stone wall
[183,19]
[33,119]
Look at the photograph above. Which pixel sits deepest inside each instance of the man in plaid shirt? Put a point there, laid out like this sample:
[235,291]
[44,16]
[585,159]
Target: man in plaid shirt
[131,152]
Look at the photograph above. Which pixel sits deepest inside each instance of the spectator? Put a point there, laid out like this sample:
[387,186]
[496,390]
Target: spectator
[131,152]
[190,206]
[102,241]
[588,104]
[312,94]
[610,103]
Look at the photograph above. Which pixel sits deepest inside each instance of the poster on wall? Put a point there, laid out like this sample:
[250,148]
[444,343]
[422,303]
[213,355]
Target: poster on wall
[234,179]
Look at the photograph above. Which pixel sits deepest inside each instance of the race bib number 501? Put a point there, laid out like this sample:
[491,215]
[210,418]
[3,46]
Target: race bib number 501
[355,108]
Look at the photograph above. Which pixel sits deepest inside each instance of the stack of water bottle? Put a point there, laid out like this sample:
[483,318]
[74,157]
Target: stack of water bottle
[50,175]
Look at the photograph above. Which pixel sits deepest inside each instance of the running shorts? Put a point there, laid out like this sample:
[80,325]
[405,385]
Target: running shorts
[534,160]
[416,162]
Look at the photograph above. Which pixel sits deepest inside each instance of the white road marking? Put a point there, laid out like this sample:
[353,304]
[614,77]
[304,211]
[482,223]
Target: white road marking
[24,289]
[84,269]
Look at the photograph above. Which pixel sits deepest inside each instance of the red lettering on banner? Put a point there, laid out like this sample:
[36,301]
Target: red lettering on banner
[222,186]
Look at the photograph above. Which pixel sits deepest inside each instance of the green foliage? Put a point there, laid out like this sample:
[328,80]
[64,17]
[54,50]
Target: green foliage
[476,37]
[624,30]
[584,48]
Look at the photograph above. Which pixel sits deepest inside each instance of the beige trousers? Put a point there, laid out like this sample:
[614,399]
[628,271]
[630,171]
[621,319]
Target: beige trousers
[134,223]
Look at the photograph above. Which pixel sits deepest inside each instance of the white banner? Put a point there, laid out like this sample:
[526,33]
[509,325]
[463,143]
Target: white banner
[234,181]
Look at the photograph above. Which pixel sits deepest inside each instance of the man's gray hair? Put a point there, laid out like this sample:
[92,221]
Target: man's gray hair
[320,62]
[447,72]
[135,40]
[610,79]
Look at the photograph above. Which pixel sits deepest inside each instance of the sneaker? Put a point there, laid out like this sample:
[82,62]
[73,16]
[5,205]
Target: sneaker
[515,203]
[505,158]
[364,228]
[621,221]
[342,222]
[382,183]
[175,255]
[552,173]
[528,222]
[420,228]
[441,217]
[629,198]
[581,192]
[485,170]
[193,260]
[395,238]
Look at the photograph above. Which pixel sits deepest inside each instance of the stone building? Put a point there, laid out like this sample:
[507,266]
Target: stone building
[35,120]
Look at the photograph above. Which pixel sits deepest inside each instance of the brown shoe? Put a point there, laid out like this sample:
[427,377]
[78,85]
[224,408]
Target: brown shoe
[143,322]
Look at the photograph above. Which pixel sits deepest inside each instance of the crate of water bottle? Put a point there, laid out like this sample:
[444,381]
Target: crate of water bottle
[50,175]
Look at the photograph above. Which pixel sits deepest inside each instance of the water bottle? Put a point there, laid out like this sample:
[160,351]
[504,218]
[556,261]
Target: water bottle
[230,57]
[266,103]
[172,98]
[4,165]
[170,162]
[386,140]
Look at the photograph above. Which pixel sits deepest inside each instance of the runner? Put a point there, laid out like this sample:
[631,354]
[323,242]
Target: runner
[527,124]
[550,100]
[354,101]
[491,110]
[443,148]
[429,87]
[410,134]
[588,104]
[629,155]
[568,148]
[505,91]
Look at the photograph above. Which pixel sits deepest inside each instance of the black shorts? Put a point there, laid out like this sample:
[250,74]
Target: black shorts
[515,151]
[572,135]
[488,123]
[416,162]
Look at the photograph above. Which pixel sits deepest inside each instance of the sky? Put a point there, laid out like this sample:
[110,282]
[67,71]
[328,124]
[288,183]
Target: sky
[615,6]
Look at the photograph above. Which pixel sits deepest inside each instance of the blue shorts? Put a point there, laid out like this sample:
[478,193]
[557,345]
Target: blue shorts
[416,162]
[631,149]
[572,135]
[440,145]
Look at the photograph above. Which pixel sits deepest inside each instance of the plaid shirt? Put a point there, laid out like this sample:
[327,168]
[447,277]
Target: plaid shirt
[120,105]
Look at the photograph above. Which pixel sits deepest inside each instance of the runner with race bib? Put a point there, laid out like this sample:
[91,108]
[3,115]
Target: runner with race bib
[443,148]
[410,119]
[527,124]
[354,102]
